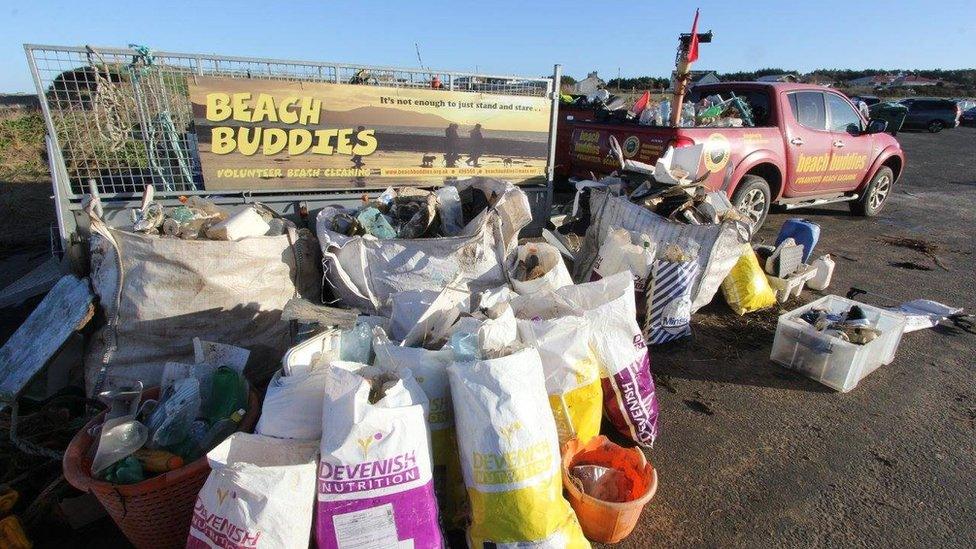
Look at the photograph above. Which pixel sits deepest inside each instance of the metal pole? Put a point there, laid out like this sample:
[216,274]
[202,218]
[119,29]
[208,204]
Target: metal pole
[557,74]
[55,158]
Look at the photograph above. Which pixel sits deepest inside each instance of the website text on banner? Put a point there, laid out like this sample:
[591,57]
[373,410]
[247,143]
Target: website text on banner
[269,133]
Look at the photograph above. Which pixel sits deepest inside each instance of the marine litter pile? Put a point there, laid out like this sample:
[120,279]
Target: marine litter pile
[418,375]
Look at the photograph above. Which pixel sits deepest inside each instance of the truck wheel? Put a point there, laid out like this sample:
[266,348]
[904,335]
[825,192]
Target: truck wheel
[752,199]
[935,126]
[875,194]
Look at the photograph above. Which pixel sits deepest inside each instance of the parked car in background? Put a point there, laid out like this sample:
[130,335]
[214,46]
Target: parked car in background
[966,104]
[931,114]
[968,118]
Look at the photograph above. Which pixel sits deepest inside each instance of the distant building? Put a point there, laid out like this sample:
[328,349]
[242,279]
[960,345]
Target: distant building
[871,81]
[912,81]
[819,80]
[697,78]
[588,85]
[787,77]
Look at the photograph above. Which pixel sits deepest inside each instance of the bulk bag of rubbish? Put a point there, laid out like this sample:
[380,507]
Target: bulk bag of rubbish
[719,245]
[669,300]
[158,293]
[746,289]
[375,487]
[572,373]
[510,454]
[364,271]
[429,368]
[538,267]
[260,493]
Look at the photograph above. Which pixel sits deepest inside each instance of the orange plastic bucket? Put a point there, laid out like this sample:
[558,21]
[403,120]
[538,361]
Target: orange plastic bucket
[609,521]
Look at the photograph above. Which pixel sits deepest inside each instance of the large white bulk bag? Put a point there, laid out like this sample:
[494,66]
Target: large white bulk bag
[363,272]
[159,293]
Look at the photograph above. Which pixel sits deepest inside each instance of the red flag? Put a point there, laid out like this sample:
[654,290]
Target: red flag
[693,46]
[641,103]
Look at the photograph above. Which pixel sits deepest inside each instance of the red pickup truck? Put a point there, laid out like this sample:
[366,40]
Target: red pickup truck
[808,146]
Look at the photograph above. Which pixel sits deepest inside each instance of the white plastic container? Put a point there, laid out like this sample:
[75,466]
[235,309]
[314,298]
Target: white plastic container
[792,285]
[825,269]
[243,224]
[835,363]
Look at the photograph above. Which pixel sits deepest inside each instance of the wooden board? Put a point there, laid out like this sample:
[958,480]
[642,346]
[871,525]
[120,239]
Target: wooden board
[65,309]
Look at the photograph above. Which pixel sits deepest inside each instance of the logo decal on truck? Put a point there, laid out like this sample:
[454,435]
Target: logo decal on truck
[717,152]
[631,146]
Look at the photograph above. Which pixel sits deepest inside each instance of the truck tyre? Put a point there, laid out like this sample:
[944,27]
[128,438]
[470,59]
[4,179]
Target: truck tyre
[935,126]
[875,194]
[752,199]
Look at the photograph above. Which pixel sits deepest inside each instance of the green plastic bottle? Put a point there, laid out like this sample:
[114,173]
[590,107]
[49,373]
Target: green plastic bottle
[125,471]
[228,394]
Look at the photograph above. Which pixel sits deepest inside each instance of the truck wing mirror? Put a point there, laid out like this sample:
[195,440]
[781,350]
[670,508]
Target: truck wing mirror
[877,126]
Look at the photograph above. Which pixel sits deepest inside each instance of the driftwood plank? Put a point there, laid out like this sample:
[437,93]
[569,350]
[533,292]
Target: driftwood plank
[64,310]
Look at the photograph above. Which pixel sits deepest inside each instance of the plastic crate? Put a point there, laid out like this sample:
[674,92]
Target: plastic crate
[835,363]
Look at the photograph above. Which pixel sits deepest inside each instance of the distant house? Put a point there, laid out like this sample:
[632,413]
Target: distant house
[588,85]
[787,77]
[697,78]
[912,81]
[871,81]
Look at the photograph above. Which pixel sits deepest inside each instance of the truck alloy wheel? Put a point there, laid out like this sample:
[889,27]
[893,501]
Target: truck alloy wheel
[875,194]
[879,191]
[751,199]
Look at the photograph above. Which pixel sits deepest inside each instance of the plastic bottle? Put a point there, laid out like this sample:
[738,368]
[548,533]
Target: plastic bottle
[220,430]
[688,115]
[666,111]
[170,421]
[158,461]
[825,269]
[376,224]
[125,471]
[228,393]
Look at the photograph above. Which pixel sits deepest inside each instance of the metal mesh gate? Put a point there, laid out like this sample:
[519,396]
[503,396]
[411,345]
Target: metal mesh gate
[122,117]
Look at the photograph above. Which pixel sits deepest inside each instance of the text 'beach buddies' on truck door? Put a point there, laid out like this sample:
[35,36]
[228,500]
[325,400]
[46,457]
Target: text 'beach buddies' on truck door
[850,147]
[808,143]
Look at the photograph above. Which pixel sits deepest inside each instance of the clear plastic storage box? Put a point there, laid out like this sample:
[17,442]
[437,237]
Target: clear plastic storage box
[835,363]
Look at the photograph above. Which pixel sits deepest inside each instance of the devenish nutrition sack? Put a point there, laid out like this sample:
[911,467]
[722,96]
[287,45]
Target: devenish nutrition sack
[510,454]
[374,484]
[429,368]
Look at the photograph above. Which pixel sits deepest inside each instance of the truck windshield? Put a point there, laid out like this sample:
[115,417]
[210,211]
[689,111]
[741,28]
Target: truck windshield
[756,100]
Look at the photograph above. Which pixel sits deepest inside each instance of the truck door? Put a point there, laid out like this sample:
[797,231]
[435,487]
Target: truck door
[850,147]
[808,142]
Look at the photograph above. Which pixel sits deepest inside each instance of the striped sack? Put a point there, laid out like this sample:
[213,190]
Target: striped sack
[669,301]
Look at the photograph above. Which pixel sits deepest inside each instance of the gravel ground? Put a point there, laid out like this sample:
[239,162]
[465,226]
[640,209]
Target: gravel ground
[754,455]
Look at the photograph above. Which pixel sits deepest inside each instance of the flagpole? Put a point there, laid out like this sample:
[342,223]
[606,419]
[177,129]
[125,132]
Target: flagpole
[683,72]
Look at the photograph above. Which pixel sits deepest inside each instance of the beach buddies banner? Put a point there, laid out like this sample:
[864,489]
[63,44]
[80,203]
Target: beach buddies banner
[271,134]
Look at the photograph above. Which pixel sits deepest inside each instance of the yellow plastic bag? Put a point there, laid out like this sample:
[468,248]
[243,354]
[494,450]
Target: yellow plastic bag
[746,288]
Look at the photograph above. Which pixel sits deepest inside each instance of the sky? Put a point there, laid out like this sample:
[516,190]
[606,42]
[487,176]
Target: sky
[525,37]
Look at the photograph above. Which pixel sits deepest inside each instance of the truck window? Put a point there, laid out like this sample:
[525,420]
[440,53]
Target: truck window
[757,100]
[842,116]
[808,109]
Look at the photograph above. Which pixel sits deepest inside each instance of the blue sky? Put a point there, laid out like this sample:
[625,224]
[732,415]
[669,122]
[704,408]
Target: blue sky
[511,37]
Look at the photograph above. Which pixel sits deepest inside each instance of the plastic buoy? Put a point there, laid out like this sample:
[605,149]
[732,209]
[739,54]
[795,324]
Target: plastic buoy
[620,475]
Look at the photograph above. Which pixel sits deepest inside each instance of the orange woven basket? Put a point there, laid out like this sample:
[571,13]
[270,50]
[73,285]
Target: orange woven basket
[156,512]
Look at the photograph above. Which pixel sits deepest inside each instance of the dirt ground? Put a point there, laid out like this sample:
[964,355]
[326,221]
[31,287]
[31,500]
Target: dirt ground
[751,454]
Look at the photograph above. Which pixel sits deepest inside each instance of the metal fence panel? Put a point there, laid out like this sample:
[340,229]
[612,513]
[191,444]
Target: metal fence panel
[122,117]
